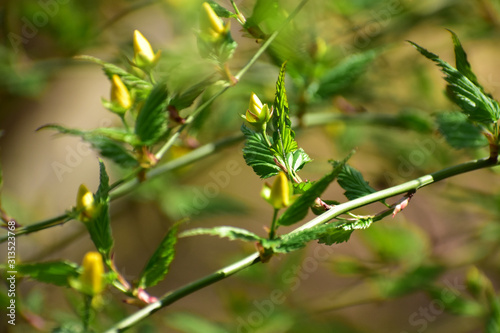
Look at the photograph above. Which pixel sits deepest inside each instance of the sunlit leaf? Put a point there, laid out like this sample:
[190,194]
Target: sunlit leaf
[467,95]
[232,233]
[159,264]
[352,181]
[258,154]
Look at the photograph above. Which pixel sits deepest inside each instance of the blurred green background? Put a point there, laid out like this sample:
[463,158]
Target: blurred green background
[406,274]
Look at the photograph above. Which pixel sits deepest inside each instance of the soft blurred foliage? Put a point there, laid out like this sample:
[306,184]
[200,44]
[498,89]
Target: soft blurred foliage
[433,268]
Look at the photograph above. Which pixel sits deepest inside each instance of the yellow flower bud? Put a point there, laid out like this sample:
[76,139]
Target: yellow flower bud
[119,93]
[210,24]
[257,114]
[143,52]
[92,275]
[278,195]
[85,202]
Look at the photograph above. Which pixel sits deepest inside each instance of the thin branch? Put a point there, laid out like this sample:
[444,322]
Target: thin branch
[254,258]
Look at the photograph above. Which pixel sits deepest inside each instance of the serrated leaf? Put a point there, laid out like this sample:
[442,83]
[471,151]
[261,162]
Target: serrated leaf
[461,62]
[102,193]
[283,136]
[152,119]
[343,232]
[112,150]
[258,154]
[159,264]
[298,210]
[53,272]
[463,92]
[297,159]
[110,69]
[99,226]
[459,132]
[328,233]
[352,181]
[344,74]
[116,134]
[231,233]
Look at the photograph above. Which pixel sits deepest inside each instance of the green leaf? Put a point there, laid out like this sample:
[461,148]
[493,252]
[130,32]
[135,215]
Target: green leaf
[461,62]
[131,81]
[459,132]
[328,233]
[224,232]
[283,136]
[301,188]
[298,240]
[344,231]
[106,141]
[297,159]
[152,119]
[99,226]
[186,97]
[258,154]
[463,92]
[115,134]
[352,181]
[112,150]
[54,272]
[159,264]
[102,193]
[298,210]
[344,74]
[221,11]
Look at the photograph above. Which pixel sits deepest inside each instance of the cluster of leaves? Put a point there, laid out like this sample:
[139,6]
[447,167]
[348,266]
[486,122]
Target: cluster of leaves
[269,154]
[155,112]
[477,124]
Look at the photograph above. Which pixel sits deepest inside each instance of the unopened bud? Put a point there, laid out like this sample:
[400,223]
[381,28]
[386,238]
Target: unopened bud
[278,195]
[258,114]
[85,202]
[120,95]
[92,275]
[211,25]
[144,56]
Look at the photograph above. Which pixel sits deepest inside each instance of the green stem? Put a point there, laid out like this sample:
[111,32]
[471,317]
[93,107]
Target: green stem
[130,182]
[241,18]
[175,295]
[272,231]
[87,308]
[323,218]
[399,189]
[52,222]
[124,122]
